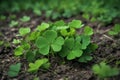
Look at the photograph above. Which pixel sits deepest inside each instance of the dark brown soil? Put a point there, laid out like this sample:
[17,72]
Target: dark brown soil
[109,51]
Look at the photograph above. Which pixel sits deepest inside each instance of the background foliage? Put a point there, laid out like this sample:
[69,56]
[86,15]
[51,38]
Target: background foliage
[101,10]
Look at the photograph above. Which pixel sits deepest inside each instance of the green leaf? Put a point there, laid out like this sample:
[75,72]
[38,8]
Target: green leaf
[71,49]
[71,32]
[13,23]
[69,43]
[38,63]
[25,45]
[85,41]
[62,27]
[74,53]
[25,18]
[1,43]
[88,30]
[64,32]
[24,31]
[33,36]
[75,24]
[48,13]
[43,45]
[50,35]
[115,30]
[14,70]
[37,12]
[86,16]
[103,70]
[55,15]
[43,26]
[85,58]
[30,56]
[16,41]
[112,33]
[49,39]
[36,78]
[59,23]
[57,44]
[18,51]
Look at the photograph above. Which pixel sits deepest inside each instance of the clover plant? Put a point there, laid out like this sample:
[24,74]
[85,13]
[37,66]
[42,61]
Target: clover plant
[48,40]
[25,18]
[14,70]
[58,38]
[103,70]
[13,23]
[2,17]
[115,30]
[16,41]
[24,31]
[38,63]
[1,42]
[101,9]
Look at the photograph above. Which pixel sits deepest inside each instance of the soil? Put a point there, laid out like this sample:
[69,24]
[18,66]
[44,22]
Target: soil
[108,50]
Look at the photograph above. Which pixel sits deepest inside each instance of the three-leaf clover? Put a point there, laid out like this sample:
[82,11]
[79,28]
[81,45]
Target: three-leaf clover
[71,49]
[16,41]
[14,70]
[33,35]
[103,70]
[18,51]
[88,30]
[115,30]
[13,23]
[75,24]
[24,31]
[48,41]
[69,32]
[85,58]
[38,63]
[87,53]
[25,18]
[43,26]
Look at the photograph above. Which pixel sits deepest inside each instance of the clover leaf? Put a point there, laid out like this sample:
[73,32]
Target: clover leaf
[14,70]
[115,30]
[33,35]
[69,32]
[103,70]
[18,51]
[59,23]
[85,58]
[75,24]
[24,31]
[71,49]
[88,30]
[85,41]
[16,41]
[13,23]
[25,18]
[48,41]
[38,63]
[43,26]
[87,53]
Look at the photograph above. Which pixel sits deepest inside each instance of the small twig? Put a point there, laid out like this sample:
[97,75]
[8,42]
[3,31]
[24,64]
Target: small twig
[2,77]
[108,37]
[98,27]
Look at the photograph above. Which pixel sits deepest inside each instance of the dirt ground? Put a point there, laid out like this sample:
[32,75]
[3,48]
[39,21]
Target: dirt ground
[108,50]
